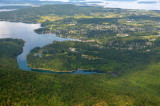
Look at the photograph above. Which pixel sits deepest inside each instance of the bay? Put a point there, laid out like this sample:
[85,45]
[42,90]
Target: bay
[24,31]
[18,30]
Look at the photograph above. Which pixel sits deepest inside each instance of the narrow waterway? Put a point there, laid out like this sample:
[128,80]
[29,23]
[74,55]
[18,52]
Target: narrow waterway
[26,32]
[18,30]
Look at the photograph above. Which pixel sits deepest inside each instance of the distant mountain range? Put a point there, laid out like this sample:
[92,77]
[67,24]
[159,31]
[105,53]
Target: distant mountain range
[21,1]
[74,1]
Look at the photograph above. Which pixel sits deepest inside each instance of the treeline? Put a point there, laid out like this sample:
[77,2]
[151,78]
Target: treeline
[9,49]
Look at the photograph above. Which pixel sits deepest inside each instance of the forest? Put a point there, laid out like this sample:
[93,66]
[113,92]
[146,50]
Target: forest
[119,41]
[18,87]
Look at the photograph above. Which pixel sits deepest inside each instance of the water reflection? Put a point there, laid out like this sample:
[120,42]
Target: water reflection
[129,5]
[24,4]
[2,10]
[74,72]
[26,32]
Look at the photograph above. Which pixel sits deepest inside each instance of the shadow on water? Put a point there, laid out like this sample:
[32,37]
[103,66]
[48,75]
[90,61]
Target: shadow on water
[74,72]
[86,72]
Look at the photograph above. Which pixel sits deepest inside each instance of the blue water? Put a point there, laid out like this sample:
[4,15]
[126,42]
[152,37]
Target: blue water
[26,32]
[75,72]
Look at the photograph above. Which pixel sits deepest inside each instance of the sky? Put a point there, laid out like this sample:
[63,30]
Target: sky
[101,0]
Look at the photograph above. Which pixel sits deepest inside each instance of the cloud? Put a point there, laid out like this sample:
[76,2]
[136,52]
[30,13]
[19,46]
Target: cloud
[101,0]
[55,0]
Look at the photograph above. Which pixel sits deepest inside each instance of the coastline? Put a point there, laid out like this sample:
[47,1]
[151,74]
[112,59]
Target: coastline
[52,70]
[71,72]
[61,71]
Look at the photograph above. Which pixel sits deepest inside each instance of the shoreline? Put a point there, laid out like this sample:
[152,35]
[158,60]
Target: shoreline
[62,71]
[51,70]
[70,72]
